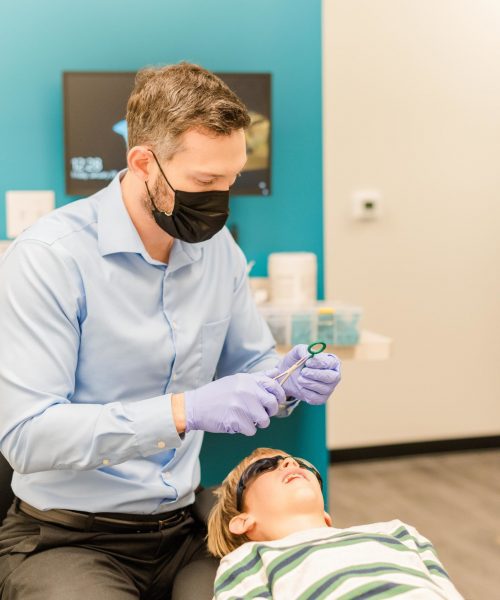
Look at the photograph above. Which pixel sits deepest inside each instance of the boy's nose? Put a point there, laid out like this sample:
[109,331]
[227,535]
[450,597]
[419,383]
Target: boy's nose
[288,461]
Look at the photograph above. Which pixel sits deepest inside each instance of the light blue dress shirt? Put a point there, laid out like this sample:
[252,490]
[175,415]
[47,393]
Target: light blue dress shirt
[94,336]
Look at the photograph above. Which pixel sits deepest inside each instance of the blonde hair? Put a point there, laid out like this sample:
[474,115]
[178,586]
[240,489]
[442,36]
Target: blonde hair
[167,101]
[220,540]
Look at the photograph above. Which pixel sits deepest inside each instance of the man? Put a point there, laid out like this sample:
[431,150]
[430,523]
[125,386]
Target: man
[117,313]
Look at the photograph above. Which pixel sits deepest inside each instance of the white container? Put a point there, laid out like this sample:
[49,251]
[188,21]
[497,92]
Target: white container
[292,278]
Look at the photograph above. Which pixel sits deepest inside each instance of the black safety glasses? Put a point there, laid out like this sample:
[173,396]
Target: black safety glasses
[264,465]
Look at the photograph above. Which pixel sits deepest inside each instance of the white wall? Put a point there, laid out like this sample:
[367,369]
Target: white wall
[412,108]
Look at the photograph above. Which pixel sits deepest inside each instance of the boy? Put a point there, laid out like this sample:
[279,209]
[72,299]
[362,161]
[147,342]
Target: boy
[276,541]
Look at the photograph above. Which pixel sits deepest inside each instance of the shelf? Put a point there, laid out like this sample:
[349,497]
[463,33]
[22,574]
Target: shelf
[371,346]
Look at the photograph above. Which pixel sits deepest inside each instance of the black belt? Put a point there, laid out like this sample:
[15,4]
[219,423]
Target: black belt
[110,522]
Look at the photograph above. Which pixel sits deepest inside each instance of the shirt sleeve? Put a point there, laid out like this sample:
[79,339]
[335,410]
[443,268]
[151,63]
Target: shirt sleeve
[429,557]
[42,304]
[241,574]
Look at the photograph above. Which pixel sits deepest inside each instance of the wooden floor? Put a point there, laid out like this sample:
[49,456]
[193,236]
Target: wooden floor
[453,499]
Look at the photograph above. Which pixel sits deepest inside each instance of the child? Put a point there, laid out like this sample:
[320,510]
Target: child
[276,541]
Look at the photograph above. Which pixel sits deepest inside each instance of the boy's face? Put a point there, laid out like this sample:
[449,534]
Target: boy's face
[285,487]
[286,493]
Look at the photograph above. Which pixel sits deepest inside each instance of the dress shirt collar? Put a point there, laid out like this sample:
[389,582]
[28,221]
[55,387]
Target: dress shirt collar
[117,233]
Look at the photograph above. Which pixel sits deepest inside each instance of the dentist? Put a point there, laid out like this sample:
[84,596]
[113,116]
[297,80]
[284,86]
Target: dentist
[128,329]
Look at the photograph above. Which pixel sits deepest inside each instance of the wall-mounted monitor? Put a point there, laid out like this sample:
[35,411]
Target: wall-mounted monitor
[95,129]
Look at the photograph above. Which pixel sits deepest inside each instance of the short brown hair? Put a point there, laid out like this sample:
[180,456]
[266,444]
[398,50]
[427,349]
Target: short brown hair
[167,101]
[220,540]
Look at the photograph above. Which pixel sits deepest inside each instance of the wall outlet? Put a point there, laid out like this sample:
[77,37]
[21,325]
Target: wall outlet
[366,205]
[26,207]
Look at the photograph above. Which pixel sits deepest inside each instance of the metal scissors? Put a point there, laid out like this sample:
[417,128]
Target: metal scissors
[313,349]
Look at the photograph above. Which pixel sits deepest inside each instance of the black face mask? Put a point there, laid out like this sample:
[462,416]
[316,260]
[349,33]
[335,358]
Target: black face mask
[196,216]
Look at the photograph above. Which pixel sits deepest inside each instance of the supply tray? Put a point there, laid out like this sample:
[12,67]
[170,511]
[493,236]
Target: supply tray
[335,323]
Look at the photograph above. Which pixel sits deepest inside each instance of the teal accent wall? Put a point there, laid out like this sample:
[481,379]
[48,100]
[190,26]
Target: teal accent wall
[40,40]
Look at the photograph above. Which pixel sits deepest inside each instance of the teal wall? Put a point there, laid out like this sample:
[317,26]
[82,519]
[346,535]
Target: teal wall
[40,40]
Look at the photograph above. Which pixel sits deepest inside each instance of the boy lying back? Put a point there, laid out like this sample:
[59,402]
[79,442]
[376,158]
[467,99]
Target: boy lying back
[276,541]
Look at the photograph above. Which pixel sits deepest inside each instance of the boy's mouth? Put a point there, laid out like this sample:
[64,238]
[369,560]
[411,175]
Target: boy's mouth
[293,475]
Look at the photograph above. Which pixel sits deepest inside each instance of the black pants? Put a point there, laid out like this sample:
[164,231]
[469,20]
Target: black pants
[41,561]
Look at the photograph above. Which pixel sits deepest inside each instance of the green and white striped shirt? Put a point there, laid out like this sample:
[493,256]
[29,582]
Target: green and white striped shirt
[380,560]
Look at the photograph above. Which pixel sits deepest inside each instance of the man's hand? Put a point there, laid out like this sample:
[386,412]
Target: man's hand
[236,404]
[315,381]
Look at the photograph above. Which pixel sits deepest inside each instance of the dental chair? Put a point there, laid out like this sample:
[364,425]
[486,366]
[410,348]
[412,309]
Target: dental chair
[193,582]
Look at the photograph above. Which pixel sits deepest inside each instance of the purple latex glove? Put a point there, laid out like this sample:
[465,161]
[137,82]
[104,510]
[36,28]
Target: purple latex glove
[315,380]
[235,404]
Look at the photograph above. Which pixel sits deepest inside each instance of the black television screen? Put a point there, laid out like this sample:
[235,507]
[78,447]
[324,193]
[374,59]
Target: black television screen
[95,129]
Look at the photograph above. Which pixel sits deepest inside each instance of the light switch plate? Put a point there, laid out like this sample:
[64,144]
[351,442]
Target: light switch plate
[26,207]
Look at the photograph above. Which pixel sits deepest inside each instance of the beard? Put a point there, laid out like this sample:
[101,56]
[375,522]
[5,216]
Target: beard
[163,197]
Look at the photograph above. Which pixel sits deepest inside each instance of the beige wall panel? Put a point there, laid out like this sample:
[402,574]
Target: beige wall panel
[412,109]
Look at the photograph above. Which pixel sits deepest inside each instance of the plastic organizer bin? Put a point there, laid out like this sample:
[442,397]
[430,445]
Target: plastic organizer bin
[334,323]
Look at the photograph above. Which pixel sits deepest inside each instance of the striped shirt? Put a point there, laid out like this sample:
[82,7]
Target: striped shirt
[380,560]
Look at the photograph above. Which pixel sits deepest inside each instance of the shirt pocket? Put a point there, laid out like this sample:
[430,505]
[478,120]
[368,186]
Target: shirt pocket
[213,336]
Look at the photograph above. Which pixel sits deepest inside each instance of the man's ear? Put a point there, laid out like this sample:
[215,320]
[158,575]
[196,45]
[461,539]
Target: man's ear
[138,161]
[328,519]
[241,524]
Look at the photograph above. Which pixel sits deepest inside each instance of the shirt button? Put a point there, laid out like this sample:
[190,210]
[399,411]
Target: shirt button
[161,444]
[174,377]
[106,461]
[174,325]
[168,474]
